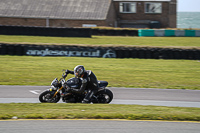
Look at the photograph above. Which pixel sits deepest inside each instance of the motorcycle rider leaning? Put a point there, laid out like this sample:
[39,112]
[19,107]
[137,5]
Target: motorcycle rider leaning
[89,82]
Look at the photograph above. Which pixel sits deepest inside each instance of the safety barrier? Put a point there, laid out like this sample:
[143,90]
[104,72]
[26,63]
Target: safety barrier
[101,52]
[168,33]
[114,32]
[64,32]
[45,31]
[88,32]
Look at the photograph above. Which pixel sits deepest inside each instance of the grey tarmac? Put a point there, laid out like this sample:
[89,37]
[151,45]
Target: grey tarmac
[97,126]
[139,96]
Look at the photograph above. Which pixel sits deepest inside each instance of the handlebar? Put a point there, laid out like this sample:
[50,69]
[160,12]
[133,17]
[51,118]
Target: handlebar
[66,72]
[64,75]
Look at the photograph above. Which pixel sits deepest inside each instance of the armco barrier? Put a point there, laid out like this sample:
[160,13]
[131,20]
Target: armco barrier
[179,33]
[146,32]
[159,32]
[168,33]
[45,31]
[190,33]
[197,33]
[101,52]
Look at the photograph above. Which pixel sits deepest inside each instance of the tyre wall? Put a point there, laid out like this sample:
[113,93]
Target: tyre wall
[88,32]
[101,52]
[111,32]
[45,31]
[63,32]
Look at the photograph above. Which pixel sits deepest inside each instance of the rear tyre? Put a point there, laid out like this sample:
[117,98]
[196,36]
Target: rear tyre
[46,97]
[104,96]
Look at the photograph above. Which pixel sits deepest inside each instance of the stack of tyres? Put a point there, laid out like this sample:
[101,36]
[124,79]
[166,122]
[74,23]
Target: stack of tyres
[184,54]
[149,54]
[130,53]
[114,32]
[195,54]
[10,49]
[45,31]
[3,30]
[39,31]
[3,49]
[155,53]
[134,53]
[102,32]
[164,53]
[141,53]
[19,50]
[176,54]
[119,52]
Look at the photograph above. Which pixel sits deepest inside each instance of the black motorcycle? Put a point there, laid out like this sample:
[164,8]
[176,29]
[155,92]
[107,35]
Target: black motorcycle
[57,91]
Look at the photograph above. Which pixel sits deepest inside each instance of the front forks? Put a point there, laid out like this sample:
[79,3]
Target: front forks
[57,92]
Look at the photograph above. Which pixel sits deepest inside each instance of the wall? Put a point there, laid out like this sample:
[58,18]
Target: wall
[167,18]
[173,14]
[111,16]
[74,23]
[22,21]
[52,22]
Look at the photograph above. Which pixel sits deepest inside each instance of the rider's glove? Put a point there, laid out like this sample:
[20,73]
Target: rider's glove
[64,75]
[67,71]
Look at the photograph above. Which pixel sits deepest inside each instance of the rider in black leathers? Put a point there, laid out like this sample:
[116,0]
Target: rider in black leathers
[89,82]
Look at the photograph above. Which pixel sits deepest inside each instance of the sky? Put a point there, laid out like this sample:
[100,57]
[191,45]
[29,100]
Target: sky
[188,5]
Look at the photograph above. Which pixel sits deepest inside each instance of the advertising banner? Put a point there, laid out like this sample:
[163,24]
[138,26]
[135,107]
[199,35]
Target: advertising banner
[70,52]
[99,52]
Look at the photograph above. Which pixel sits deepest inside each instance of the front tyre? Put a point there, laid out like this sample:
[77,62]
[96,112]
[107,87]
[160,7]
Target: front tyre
[47,97]
[104,96]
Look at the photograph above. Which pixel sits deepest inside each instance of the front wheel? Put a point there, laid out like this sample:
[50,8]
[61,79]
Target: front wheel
[104,96]
[47,97]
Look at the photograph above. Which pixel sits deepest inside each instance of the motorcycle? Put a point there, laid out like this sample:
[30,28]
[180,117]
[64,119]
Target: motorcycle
[55,93]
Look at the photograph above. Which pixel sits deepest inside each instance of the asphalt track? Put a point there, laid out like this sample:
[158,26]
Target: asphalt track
[139,96]
[97,126]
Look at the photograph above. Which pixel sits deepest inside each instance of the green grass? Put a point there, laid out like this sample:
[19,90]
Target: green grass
[140,73]
[106,41]
[97,111]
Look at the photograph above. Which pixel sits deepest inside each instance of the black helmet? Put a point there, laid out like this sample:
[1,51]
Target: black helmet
[79,71]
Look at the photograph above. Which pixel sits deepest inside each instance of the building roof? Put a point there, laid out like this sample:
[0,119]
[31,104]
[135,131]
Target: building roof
[56,9]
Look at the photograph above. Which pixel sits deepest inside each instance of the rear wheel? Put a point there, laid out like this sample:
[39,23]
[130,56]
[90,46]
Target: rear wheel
[47,97]
[104,96]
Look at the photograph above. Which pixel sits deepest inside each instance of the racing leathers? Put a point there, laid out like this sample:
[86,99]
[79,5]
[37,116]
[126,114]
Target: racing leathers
[89,83]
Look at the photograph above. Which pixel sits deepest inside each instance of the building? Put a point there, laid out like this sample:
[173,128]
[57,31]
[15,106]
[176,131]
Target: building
[89,13]
[143,13]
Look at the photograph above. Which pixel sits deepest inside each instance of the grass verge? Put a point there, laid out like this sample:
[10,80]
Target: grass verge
[135,73]
[97,111]
[183,42]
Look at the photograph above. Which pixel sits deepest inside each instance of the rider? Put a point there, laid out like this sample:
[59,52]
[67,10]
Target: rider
[89,82]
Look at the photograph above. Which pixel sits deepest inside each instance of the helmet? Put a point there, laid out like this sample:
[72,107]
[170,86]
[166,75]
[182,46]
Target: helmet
[79,71]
